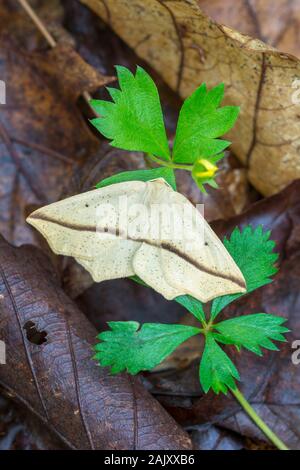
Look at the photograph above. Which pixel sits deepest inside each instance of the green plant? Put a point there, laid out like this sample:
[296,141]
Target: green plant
[135,122]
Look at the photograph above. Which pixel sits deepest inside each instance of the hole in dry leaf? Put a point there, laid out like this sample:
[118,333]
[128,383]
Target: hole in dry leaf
[33,334]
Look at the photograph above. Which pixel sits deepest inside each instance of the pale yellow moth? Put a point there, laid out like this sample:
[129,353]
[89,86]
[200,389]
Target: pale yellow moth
[111,232]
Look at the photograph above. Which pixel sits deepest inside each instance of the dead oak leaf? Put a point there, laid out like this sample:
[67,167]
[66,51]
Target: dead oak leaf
[57,379]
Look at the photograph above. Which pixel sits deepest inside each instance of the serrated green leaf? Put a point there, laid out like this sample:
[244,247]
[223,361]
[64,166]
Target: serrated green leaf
[140,175]
[200,124]
[252,250]
[217,371]
[134,121]
[126,347]
[194,306]
[252,331]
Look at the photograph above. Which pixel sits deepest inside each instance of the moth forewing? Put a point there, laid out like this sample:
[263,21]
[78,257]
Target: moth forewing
[92,228]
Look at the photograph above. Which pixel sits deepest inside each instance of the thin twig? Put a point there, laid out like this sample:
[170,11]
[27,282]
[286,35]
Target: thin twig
[51,41]
[39,24]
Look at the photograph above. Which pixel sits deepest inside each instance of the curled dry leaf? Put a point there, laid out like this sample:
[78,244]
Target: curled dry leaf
[57,379]
[43,136]
[187,47]
[271,383]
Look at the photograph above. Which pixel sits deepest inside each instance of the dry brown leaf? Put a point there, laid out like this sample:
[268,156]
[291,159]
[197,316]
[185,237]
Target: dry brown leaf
[43,136]
[188,48]
[14,17]
[50,369]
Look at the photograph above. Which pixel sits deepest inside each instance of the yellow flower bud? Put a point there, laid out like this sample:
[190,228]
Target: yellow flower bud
[205,169]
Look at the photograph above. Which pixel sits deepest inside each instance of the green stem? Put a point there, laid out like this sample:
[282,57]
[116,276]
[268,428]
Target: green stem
[257,420]
[170,164]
